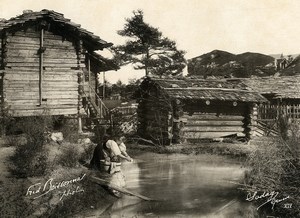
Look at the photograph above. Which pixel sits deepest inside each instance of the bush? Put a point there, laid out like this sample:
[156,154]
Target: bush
[69,157]
[30,158]
[275,166]
[12,200]
[69,129]
[86,155]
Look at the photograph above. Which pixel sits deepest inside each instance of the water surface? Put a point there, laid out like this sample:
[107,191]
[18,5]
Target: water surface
[183,185]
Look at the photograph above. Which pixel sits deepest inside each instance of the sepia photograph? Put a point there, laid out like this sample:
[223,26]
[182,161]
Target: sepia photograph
[149,108]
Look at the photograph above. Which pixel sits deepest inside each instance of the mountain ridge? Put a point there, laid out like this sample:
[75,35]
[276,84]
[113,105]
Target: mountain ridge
[223,63]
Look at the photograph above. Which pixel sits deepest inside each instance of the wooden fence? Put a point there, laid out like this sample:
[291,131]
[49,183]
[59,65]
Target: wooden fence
[268,117]
[272,112]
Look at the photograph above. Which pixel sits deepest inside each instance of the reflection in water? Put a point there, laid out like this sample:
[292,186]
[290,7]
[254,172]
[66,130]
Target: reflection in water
[184,186]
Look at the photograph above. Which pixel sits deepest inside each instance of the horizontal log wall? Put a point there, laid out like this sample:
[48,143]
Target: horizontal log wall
[199,126]
[59,78]
[213,120]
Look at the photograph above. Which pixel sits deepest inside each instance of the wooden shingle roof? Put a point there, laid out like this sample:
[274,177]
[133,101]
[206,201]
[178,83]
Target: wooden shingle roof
[285,87]
[100,63]
[89,39]
[207,89]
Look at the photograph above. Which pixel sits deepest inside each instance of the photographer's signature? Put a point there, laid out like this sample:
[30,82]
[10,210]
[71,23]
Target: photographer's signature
[64,187]
[269,196]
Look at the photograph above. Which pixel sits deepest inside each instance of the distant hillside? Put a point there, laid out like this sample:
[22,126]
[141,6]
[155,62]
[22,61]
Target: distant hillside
[222,63]
[255,58]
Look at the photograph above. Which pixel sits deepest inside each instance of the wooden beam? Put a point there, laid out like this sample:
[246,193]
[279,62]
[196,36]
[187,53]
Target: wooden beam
[41,66]
[203,135]
[214,123]
[213,117]
[118,188]
[89,73]
[209,128]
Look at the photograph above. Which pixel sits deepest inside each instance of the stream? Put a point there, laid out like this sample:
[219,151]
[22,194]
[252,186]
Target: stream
[183,185]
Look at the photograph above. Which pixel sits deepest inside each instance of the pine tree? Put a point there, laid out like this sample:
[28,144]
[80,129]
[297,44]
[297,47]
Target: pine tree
[148,49]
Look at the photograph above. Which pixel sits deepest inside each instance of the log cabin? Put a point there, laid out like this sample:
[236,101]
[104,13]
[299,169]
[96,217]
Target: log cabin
[48,65]
[186,109]
[283,94]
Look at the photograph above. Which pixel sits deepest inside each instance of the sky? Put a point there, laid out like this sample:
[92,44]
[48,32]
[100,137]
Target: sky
[197,26]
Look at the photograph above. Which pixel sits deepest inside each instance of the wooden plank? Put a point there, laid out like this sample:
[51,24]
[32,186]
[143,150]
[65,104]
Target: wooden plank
[35,96]
[30,81]
[213,117]
[60,83]
[63,43]
[22,47]
[62,79]
[34,34]
[36,64]
[53,50]
[21,39]
[33,52]
[118,188]
[214,122]
[213,129]
[28,42]
[10,91]
[28,89]
[21,52]
[48,69]
[47,72]
[42,111]
[49,100]
[33,82]
[11,46]
[49,82]
[65,54]
[59,49]
[50,93]
[202,135]
[46,60]
[49,106]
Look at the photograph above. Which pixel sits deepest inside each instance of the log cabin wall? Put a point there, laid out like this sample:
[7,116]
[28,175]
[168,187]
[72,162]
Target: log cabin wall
[153,117]
[195,109]
[216,120]
[41,74]
[1,78]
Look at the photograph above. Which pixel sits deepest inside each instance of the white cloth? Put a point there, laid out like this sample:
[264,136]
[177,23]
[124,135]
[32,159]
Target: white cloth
[122,147]
[113,147]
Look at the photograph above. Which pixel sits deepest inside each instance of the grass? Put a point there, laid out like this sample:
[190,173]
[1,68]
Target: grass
[236,150]
[275,166]
[15,203]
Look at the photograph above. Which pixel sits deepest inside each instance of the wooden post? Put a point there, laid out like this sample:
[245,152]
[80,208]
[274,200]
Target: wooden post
[253,121]
[2,127]
[80,84]
[96,89]
[89,74]
[4,83]
[250,121]
[79,125]
[41,66]
[103,85]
